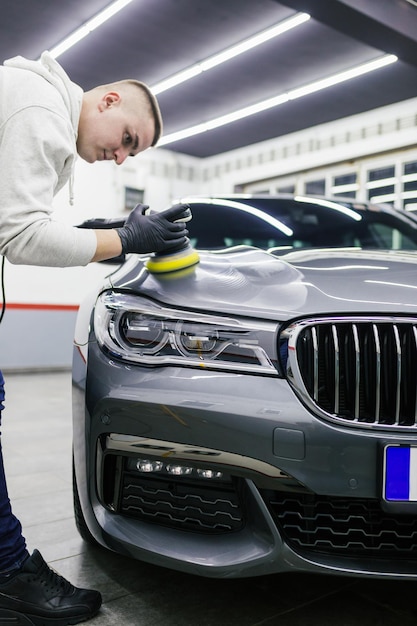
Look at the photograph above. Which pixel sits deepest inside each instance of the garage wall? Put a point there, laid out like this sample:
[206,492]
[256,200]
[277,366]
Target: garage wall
[37,336]
[371,135]
[38,325]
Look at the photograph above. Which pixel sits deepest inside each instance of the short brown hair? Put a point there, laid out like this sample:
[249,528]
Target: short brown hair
[153,106]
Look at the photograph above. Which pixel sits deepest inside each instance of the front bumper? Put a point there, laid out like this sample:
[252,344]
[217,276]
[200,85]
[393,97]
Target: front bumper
[274,453]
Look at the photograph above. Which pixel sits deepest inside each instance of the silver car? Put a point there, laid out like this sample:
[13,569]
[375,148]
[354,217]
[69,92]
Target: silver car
[256,412]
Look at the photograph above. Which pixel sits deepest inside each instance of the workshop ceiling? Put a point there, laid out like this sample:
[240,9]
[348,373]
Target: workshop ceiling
[153,39]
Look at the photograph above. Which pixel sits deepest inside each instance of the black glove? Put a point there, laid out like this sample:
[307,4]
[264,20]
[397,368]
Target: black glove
[154,232]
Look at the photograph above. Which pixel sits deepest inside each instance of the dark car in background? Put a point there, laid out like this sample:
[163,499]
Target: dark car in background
[256,412]
[286,222]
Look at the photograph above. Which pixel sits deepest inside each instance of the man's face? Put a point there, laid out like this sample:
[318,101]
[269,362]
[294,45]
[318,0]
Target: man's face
[111,129]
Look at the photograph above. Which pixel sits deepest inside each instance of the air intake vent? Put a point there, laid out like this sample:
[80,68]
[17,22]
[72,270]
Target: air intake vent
[358,371]
[342,526]
[181,504]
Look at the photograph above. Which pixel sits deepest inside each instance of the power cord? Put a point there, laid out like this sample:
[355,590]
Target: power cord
[3,291]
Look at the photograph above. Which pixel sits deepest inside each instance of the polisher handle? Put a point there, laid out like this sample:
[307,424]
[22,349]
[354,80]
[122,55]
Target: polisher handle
[185,217]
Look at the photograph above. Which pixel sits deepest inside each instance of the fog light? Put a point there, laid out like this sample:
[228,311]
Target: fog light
[208,473]
[170,468]
[144,465]
[179,470]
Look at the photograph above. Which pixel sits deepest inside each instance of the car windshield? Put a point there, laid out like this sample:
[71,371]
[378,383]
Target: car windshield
[284,223]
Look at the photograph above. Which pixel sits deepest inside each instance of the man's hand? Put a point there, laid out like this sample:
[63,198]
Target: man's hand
[154,232]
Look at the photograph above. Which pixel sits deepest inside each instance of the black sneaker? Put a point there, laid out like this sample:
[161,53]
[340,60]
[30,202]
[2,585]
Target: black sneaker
[38,596]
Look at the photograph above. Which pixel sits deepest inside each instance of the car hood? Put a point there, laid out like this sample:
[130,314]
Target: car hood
[252,282]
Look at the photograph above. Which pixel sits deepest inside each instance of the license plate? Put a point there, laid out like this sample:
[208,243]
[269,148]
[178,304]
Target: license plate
[400,473]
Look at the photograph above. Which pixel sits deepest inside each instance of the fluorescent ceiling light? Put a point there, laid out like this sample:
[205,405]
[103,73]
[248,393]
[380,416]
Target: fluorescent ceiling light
[341,77]
[190,72]
[224,119]
[88,27]
[230,53]
[280,99]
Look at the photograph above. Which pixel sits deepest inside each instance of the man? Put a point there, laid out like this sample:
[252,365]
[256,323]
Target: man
[45,121]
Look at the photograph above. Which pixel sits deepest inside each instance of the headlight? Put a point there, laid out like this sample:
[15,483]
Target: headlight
[138,330]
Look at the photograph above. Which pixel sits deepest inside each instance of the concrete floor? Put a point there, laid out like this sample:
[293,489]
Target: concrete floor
[37,451]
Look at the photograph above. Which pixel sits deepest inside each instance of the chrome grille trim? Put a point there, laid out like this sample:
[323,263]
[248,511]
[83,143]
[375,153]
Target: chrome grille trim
[359,371]
[398,374]
[415,343]
[316,364]
[336,368]
[377,372]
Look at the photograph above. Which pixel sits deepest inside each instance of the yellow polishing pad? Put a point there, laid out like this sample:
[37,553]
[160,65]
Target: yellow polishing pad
[163,263]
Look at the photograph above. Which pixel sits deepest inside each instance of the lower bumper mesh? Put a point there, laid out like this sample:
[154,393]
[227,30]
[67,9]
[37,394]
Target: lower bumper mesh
[342,526]
[182,504]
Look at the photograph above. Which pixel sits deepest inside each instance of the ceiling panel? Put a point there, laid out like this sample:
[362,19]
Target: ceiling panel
[152,39]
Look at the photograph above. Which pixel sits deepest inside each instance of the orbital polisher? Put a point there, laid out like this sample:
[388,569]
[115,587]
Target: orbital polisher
[179,258]
[175,259]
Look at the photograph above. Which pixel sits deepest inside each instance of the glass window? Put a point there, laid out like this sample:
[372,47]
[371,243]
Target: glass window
[133,197]
[410,204]
[381,173]
[391,238]
[286,189]
[344,179]
[217,226]
[344,185]
[282,223]
[316,187]
[344,194]
[380,191]
[410,185]
[410,167]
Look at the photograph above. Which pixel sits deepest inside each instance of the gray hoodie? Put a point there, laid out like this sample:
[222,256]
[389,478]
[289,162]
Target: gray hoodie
[39,113]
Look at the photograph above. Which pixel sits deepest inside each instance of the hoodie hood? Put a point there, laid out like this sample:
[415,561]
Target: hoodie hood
[71,93]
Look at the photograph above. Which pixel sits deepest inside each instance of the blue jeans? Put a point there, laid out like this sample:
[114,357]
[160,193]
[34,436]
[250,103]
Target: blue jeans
[12,544]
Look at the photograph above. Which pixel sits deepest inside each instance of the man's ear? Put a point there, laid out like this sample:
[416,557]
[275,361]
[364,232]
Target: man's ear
[111,98]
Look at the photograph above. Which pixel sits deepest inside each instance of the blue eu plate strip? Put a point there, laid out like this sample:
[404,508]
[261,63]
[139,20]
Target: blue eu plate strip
[401,473]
